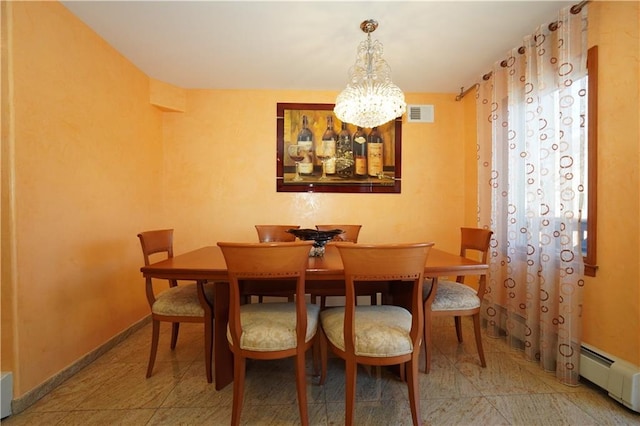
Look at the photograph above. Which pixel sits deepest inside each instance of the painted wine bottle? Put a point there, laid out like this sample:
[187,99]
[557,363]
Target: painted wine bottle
[360,153]
[374,153]
[328,145]
[305,139]
[344,154]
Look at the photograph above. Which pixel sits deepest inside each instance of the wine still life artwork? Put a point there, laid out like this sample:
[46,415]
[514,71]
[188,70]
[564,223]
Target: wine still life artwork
[316,152]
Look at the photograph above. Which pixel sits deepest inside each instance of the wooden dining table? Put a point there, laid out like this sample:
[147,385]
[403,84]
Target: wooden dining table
[324,274]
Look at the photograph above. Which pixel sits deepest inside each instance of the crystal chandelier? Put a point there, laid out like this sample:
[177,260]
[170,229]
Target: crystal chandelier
[370,98]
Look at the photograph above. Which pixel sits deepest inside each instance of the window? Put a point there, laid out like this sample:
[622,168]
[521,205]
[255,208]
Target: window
[590,218]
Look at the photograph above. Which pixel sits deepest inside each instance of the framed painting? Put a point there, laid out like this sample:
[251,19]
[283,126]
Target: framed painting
[318,153]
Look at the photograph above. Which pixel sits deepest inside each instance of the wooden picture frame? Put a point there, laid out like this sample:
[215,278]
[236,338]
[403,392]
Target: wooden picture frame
[289,117]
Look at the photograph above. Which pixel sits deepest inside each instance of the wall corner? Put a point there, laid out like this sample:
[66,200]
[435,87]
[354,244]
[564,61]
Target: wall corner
[167,97]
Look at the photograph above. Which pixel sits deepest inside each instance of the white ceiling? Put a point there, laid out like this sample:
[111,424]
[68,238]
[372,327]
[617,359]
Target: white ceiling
[431,46]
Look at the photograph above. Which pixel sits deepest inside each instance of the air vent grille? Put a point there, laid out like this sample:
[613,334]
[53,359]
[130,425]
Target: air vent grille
[420,114]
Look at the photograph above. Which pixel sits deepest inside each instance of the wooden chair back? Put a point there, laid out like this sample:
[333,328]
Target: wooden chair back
[474,243]
[350,233]
[275,233]
[154,242]
[158,242]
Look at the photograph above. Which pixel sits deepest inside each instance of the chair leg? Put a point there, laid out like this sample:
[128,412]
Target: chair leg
[175,328]
[208,348]
[155,335]
[323,356]
[476,329]
[301,387]
[323,302]
[238,388]
[315,355]
[427,341]
[458,321]
[351,369]
[414,389]
[367,368]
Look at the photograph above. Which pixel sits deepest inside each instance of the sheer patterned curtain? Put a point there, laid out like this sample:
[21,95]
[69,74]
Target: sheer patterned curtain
[532,171]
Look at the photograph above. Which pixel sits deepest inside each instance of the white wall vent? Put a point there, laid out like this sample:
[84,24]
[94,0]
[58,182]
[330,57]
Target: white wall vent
[419,113]
[618,377]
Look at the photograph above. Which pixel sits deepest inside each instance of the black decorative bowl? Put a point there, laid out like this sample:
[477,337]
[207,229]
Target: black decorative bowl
[320,238]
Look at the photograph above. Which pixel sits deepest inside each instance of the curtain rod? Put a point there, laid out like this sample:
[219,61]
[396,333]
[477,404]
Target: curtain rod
[575,9]
[464,92]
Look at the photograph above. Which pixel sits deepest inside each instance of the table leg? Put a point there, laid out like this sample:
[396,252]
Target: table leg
[207,306]
[400,294]
[223,357]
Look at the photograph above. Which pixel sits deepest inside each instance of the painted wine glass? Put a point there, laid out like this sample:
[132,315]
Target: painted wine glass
[325,152]
[296,153]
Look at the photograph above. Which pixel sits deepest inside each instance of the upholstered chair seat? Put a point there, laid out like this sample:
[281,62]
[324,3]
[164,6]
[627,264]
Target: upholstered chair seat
[182,301]
[454,296]
[382,331]
[272,326]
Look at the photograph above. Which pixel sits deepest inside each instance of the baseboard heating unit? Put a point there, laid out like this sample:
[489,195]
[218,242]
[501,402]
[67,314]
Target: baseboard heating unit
[618,377]
[6,393]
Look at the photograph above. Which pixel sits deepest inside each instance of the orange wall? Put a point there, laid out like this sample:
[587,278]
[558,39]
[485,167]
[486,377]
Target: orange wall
[612,299]
[220,166]
[95,163]
[87,167]
[6,296]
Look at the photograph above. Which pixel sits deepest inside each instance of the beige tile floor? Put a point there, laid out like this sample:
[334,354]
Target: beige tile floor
[510,391]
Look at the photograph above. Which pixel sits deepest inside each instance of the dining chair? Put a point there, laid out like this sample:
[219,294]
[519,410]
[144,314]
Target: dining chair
[177,303]
[268,331]
[350,232]
[456,298]
[275,233]
[271,234]
[382,334]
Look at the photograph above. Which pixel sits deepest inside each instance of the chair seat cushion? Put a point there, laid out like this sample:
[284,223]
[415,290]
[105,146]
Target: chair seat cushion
[181,300]
[453,296]
[272,326]
[380,331]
